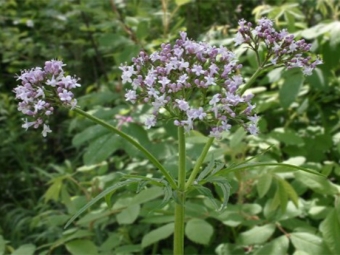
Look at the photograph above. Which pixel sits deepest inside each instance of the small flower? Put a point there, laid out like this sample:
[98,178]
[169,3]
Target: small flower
[46,130]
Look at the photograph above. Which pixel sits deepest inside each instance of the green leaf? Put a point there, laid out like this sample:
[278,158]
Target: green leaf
[278,246]
[82,247]
[291,87]
[25,249]
[289,191]
[330,229]
[207,193]
[206,170]
[182,2]
[222,182]
[316,183]
[263,184]
[257,235]
[158,234]
[101,149]
[199,231]
[54,190]
[128,215]
[309,243]
[2,245]
[147,195]
[100,196]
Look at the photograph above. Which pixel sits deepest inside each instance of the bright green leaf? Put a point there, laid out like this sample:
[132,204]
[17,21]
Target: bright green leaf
[182,2]
[54,190]
[257,235]
[158,234]
[199,231]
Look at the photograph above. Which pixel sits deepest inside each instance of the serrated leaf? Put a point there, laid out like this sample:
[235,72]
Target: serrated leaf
[167,195]
[82,247]
[330,229]
[158,234]
[309,243]
[206,170]
[199,231]
[98,197]
[223,183]
[263,184]
[207,193]
[257,235]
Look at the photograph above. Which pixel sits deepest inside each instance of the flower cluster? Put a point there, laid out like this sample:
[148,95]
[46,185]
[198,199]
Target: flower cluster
[281,46]
[41,90]
[190,82]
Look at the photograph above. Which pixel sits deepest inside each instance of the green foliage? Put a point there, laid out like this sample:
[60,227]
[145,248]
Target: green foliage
[280,189]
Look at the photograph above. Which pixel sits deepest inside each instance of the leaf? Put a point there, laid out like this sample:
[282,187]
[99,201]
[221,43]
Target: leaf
[263,184]
[54,190]
[330,229]
[98,197]
[128,215]
[158,234]
[82,247]
[206,170]
[289,190]
[207,193]
[258,164]
[2,245]
[101,148]
[291,87]
[199,231]
[25,249]
[278,246]
[309,243]
[182,2]
[316,183]
[257,235]
[147,195]
[222,182]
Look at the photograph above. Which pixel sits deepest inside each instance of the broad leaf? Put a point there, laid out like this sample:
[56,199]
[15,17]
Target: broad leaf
[330,229]
[309,243]
[278,246]
[293,80]
[257,235]
[82,247]
[199,231]
[25,249]
[158,234]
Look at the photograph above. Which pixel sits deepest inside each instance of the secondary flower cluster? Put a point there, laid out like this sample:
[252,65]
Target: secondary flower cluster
[41,90]
[190,82]
[281,46]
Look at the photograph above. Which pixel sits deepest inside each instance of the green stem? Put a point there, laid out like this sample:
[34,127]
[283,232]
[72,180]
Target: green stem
[132,141]
[180,205]
[251,80]
[199,162]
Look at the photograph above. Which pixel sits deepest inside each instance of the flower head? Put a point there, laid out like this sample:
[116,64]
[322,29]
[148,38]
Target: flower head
[41,89]
[191,82]
[282,47]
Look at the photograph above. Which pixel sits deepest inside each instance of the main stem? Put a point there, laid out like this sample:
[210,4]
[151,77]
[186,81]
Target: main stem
[180,204]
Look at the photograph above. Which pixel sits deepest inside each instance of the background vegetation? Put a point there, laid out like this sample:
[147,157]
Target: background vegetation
[272,211]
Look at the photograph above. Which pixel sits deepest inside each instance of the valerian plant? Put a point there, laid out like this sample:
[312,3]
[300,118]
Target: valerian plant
[188,83]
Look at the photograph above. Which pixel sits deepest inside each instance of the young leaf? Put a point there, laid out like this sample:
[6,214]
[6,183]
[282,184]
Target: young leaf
[206,170]
[206,192]
[263,184]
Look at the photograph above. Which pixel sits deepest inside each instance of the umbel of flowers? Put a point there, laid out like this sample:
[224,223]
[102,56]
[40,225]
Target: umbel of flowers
[281,48]
[190,82]
[43,89]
